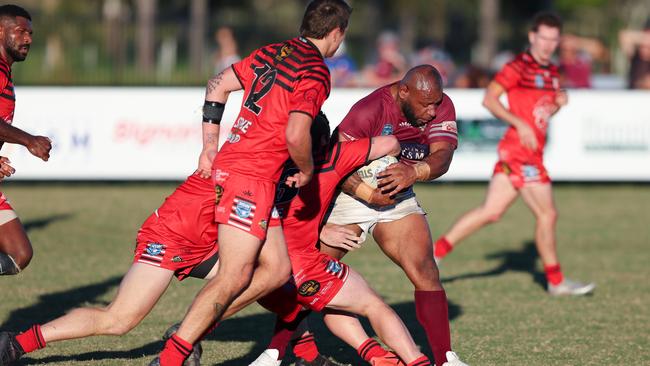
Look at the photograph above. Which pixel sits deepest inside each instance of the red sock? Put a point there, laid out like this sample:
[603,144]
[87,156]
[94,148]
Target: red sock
[422,361]
[283,331]
[305,347]
[553,274]
[432,313]
[31,339]
[370,349]
[442,247]
[175,352]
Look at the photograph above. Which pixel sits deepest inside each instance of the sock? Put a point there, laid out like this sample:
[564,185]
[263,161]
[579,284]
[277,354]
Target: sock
[7,265]
[370,349]
[31,339]
[175,352]
[553,274]
[422,361]
[442,247]
[432,313]
[283,331]
[305,347]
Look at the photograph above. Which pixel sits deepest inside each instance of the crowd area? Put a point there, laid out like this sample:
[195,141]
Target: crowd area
[584,62]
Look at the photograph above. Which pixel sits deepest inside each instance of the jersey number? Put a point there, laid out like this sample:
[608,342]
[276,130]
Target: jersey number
[266,77]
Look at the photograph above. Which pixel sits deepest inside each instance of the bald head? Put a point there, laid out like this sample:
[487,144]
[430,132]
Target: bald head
[424,78]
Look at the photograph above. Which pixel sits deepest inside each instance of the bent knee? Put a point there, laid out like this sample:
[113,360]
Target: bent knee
[424,275]
[23,256]
[119,325]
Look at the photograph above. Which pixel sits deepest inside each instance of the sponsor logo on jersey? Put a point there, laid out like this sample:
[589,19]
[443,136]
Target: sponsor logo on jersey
[539,81]
[263,224]
[449,126]
[530,172]
[285,51]
[414,151]
[220,176]
[404,124]
[333,267]
[309,288]
[247,193]
[506,168]
[218,193]
[243,209]
[177,259]
[155,248]
[387,129]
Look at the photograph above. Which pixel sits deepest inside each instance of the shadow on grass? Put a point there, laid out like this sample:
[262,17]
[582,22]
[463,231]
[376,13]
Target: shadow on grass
[257,327]
[44,222]
[523,260]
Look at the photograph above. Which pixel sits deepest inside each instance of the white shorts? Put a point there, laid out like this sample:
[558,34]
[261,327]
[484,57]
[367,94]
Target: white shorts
[348,210]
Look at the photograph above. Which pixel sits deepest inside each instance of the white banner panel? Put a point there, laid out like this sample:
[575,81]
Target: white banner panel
[155,133]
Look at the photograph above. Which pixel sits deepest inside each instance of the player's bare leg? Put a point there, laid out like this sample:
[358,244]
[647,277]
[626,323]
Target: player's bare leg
[539,198]
[408,243]
[500,195]
[15,249]
[357,297]
[139,291]
[273,270]
[238,253]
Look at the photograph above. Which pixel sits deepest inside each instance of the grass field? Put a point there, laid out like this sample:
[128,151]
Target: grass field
[84,235]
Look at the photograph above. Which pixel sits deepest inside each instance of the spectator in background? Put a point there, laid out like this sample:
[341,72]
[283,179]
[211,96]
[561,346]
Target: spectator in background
[343,69]
[226,53]
[390,65]
[576,57]
[472,77]
[636,46]
[438,58]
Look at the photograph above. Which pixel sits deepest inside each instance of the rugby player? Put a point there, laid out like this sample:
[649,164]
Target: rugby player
[531,82]
[285,85]
[417,112]
[16,37]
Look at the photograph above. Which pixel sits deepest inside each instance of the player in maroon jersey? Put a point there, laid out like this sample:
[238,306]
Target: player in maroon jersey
[531,83]
[16,37]
[423,119]
[284,85]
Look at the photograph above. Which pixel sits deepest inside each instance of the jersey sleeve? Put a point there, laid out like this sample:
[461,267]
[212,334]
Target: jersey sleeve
[443,127]
[351,156]
[243,70]
[310,92]
[509,75]
[363,120]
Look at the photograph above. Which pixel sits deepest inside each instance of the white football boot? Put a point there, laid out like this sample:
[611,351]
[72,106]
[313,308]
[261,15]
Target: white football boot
[453,360]
[570,287]
[268,358]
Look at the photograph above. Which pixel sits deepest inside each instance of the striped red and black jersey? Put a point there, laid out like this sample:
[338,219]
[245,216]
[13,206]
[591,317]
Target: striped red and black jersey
[305,208]
[531,89]
[7,97]
[278,79]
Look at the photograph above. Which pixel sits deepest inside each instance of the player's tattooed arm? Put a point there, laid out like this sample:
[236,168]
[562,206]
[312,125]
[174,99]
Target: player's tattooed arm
[209,150]
[220,86]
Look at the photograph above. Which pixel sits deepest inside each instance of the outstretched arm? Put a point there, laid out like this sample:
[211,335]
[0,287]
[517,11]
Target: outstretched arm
[39,146]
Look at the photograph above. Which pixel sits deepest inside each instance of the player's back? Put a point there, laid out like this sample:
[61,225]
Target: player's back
[277,79]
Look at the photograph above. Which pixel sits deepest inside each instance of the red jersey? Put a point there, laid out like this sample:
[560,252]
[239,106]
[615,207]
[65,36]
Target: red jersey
[531,89]
[379,114]
[7,97]
[307,210]
[277,79]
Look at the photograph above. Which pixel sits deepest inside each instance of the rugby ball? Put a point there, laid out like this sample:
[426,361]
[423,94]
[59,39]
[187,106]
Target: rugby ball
[368,173]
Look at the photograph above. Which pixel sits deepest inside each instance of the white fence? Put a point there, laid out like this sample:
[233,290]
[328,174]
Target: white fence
[154,133]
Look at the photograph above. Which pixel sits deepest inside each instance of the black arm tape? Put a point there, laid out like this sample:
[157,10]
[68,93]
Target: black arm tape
[212,112]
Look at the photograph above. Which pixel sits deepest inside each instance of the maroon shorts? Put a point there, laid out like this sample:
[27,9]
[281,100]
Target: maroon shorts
[182,232]
[244,202]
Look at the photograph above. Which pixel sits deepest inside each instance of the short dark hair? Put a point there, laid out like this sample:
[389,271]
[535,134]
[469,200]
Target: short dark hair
[548,19]
[323,16]
[13,11]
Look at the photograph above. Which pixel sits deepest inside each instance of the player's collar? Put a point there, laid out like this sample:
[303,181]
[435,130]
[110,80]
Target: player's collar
[310,44]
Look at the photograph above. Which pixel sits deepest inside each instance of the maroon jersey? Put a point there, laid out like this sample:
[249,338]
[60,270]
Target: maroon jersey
[7,97]
[277,79]
[306,210]
[531,89]
[379,114]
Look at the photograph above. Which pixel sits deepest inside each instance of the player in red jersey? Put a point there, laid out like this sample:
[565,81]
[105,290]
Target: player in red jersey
[284,85]
[321,282]
[178,239]
[423,119]
[531,83]
[16,37]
